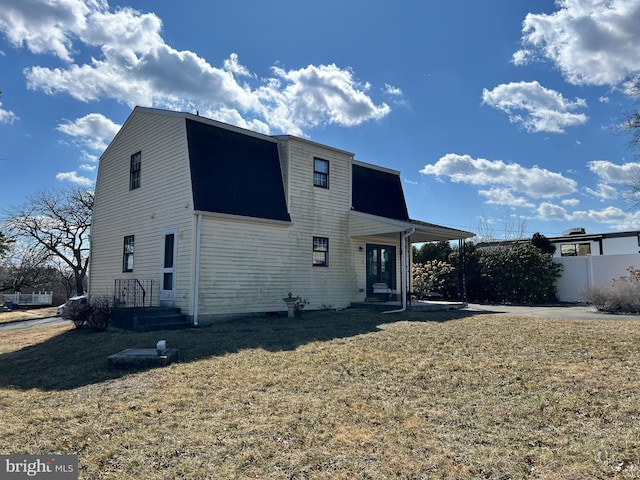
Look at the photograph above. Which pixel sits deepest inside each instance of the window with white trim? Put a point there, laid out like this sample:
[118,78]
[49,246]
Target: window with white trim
[320,173]
[134,171]
[127,255]
[320,252]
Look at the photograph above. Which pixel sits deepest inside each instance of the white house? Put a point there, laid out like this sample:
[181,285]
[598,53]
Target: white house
[220,221]
[593,259]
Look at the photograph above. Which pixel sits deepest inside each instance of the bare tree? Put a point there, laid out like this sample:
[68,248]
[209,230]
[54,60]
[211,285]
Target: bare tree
[510,227]
[24,268]
[56,223]
[5,242]
[631,127]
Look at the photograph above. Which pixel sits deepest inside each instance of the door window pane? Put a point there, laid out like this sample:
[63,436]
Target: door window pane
[167,281]
[168,250]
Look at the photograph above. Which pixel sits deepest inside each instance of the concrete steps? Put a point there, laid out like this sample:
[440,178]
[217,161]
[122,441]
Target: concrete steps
[147,319]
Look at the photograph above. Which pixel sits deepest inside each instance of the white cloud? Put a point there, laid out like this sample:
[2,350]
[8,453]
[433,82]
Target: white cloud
[532,182]
[391,90]
[613,217]
[137,67]
[88,168]
[610,172]
[571,202]
[314,95]
[632,86]
[505,197]
[7,116]
[607,215]
[93,131]
[549,211]
[604,192]
[232,65]
[536,108]
[592,42]
[73,177]
[46,27]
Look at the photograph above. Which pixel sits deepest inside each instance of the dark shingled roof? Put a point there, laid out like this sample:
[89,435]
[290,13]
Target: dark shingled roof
[378,193]
[235,173]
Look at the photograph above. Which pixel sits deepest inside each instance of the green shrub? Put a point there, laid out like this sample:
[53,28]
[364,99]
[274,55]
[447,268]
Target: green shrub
[513,273]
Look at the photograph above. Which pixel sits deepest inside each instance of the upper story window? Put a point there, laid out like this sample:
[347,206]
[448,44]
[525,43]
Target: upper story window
[134,170]
[321,173]
[127,256]
[320,252]
[575,250]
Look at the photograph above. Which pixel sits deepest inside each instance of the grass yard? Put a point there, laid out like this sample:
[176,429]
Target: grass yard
[341,395]
[27,314]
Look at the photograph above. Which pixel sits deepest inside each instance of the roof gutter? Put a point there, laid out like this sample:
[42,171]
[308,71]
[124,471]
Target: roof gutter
[405,280]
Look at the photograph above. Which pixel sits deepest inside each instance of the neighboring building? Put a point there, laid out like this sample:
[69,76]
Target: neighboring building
[221,221]
[593,259]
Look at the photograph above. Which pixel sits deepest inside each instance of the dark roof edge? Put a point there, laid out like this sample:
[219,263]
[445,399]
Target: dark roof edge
[311,142]
[244,218]
[420,223]
[208,121]
[376,167]
[594,236]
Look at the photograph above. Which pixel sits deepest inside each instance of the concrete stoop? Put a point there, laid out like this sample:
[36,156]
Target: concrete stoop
[142,358]
[147,319]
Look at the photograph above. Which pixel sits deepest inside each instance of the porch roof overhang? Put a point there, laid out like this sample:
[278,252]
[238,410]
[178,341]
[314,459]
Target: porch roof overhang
[364,225]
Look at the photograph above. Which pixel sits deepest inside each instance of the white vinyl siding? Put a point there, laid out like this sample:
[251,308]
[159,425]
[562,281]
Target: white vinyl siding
[162,200]
[321,212]
[249,267]
[243,267]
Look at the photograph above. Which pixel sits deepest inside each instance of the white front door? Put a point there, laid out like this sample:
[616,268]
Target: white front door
[168,271]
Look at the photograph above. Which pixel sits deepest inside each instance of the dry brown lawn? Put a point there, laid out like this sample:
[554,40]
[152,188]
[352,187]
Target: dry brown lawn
[26,314]
[341,395]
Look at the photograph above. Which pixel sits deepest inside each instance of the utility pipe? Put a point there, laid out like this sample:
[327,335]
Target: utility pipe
[405,280]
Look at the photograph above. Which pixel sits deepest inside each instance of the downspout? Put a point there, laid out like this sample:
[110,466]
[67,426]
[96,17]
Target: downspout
[404,278]
[196,283]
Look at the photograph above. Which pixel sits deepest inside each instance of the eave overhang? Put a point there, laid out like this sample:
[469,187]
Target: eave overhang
[364,225]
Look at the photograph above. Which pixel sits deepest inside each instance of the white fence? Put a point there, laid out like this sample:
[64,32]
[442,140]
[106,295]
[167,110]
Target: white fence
[40,298]
[579,273]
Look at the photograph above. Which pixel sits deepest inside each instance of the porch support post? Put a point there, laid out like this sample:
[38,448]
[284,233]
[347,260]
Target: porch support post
[403,258]
[462,284]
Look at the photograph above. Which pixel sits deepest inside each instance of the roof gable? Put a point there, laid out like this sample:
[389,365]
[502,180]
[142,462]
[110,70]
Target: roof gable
[235,174]
[378,192]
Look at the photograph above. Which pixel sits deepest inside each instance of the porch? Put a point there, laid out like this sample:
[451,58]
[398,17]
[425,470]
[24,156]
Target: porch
[386,259]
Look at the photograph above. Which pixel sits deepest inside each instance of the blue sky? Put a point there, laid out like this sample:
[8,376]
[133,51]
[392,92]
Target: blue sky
[501,115]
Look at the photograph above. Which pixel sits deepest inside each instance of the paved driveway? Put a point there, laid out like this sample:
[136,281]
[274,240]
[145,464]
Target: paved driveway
[566,311]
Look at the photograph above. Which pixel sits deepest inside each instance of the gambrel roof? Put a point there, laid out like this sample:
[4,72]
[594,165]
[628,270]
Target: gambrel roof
[234,173]
[378,191]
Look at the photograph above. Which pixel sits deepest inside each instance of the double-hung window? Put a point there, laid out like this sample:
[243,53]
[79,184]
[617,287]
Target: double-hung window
[320,252]
[127,255]
[320,173]
[134,170]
